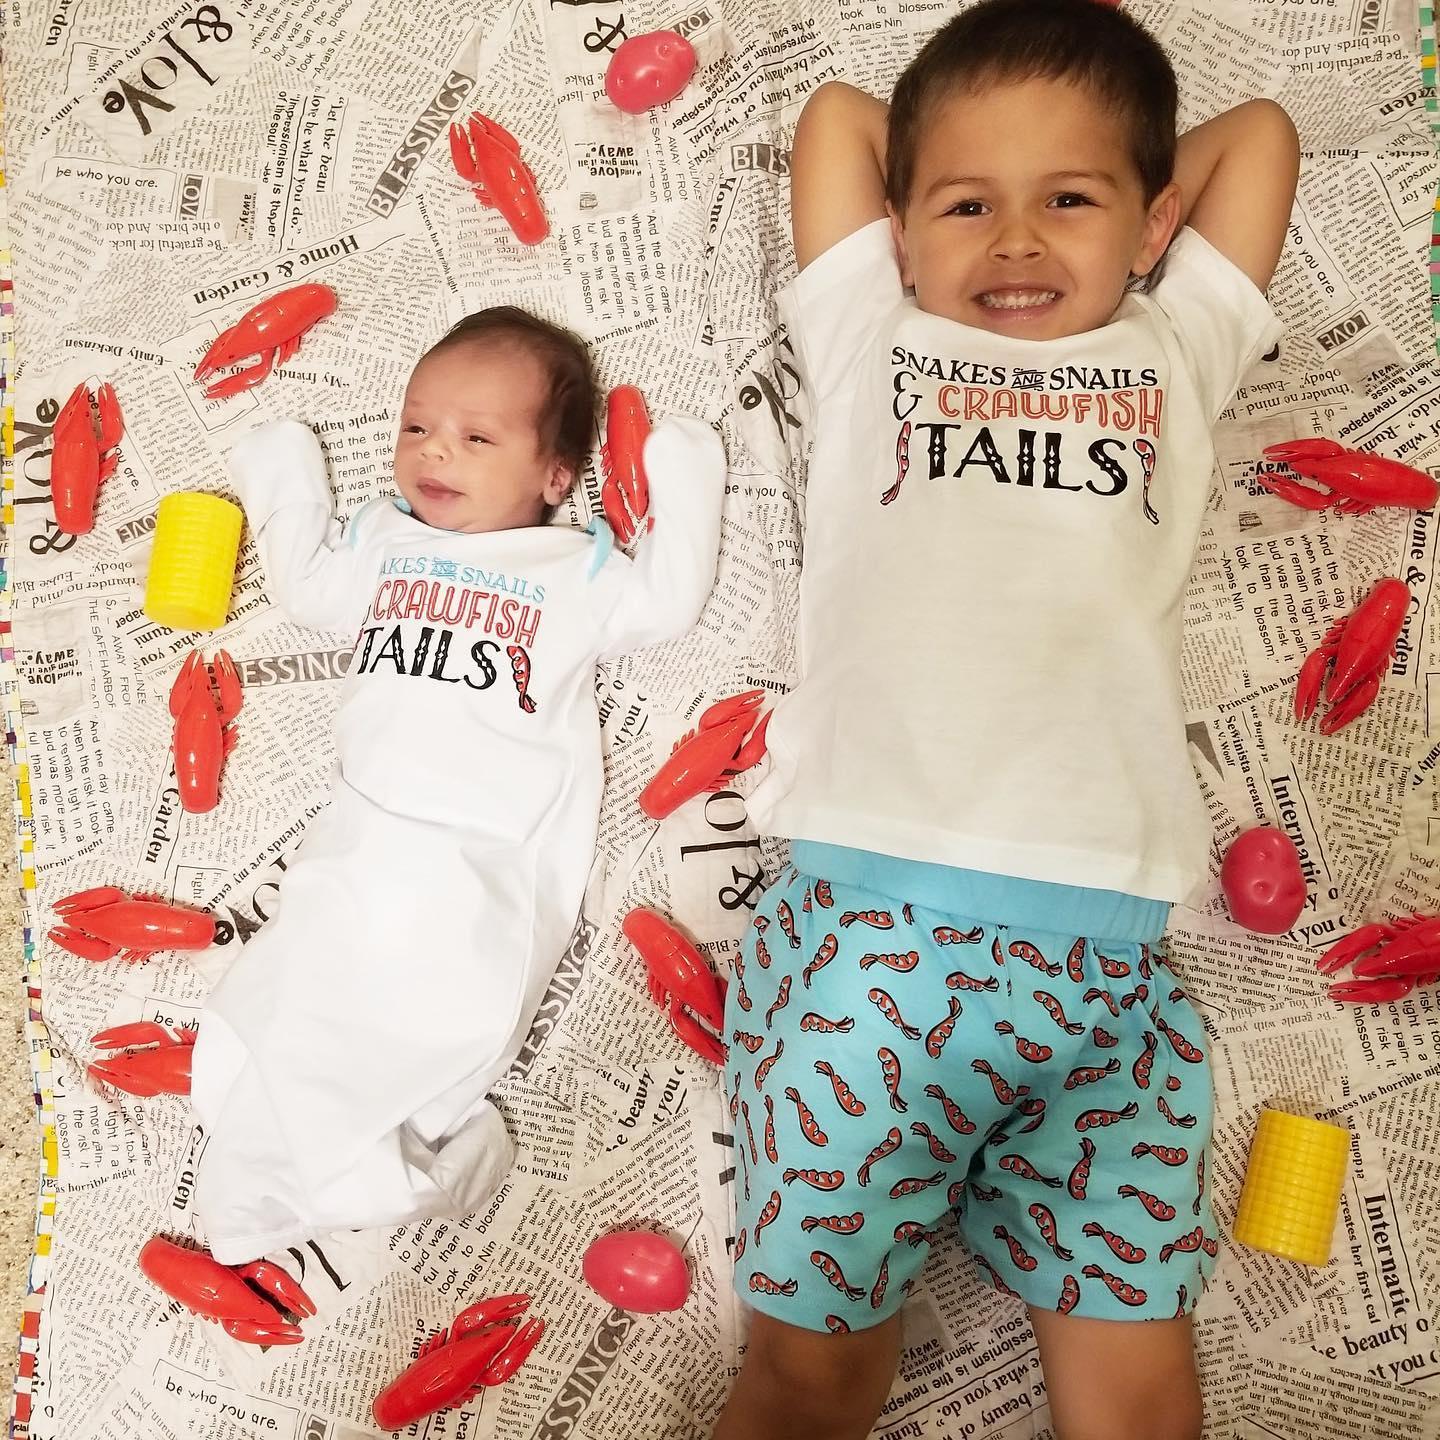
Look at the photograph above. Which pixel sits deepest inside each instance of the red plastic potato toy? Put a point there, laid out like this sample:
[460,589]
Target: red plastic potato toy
[1263,882]
[649,70]
[637,1270]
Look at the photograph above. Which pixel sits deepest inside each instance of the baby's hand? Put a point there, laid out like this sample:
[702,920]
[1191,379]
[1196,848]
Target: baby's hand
[682,450]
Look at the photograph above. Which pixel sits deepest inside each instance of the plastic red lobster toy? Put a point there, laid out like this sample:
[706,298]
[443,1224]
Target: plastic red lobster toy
[625,494]
[104,923]
[203,733]
[84,455]
[1358,481]
[217,1292]
[1390,959]
[678,978]
[162,1069]
[273,330]
[487,157]
[727,741]
[1360,646]
[481,1348]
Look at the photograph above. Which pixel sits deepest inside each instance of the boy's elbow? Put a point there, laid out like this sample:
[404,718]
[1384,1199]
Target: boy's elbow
[1271,121]
[825,96]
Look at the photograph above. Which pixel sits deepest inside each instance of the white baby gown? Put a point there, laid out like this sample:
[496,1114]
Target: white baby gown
[343,1060]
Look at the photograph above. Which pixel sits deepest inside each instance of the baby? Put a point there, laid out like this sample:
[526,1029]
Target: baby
[343,1061]
[957,1002]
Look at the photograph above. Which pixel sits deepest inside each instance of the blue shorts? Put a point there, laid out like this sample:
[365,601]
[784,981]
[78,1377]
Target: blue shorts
[889,1063]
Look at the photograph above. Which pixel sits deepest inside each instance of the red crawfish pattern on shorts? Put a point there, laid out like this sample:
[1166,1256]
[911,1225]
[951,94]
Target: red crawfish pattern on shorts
[895,1063]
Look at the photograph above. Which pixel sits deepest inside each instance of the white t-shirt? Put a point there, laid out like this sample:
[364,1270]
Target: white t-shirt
[998,538]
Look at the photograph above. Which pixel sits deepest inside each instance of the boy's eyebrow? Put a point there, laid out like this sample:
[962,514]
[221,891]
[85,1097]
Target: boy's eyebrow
[1104,176]
[1088,176]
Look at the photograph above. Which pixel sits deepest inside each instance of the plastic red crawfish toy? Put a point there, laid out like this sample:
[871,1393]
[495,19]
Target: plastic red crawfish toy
[84,455]
[678,978]
[1390,959]
[625,493]
[273,330]
[728,740]
[1361,646]
[104,923]
[162,1069]
[1358,481]
[487,157]
[203,734]
[217,1292]
[482,1347]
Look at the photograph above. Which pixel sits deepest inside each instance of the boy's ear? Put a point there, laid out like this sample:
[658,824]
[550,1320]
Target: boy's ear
[897,234]
[557,482]
[1161,222]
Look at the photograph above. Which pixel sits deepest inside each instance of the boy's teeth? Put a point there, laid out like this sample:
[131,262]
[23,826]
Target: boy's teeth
[1017,299]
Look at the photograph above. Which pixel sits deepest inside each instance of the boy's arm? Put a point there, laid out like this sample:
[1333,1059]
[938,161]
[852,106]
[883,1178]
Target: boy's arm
[1237,175]
[837,168]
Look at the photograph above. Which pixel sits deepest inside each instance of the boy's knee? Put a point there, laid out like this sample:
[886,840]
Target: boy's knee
[828,1383]
[1139,1413]
[1167,1419]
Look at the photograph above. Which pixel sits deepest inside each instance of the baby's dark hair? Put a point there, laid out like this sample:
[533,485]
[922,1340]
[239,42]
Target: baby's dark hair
[567,418]
[1080,41]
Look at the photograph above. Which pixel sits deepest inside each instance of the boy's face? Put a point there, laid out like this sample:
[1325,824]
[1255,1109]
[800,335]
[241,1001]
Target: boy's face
[469,456]
[1026,215]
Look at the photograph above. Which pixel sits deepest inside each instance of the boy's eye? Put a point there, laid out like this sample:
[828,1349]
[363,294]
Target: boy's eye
[412,429]
[481,439]
[967,207]
[1069,199]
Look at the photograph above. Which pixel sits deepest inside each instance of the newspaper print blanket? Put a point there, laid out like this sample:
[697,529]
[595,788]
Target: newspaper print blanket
[170,165]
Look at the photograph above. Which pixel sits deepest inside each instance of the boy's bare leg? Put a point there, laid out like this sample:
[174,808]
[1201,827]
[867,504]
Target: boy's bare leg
[1119,1379]
[797,1382]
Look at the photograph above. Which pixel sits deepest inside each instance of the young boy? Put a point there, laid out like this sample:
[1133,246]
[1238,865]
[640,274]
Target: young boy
[343,1061]
[956,1000]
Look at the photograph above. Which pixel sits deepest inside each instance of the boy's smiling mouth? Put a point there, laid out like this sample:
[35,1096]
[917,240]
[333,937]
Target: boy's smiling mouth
[1015,298]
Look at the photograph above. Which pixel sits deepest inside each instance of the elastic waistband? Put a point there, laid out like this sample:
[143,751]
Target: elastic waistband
[995,899]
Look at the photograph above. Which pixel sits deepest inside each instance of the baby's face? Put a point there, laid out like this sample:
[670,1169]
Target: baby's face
[1026,216]
[469,456]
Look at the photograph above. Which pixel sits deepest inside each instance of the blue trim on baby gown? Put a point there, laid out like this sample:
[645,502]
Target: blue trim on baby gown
[599,527]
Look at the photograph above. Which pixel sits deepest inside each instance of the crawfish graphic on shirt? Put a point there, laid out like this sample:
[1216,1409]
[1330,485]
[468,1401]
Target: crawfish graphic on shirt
[1094,429]
[466,617]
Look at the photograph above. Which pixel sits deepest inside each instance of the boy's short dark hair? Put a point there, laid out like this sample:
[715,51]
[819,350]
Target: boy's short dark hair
[1080,41]
[566,422]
